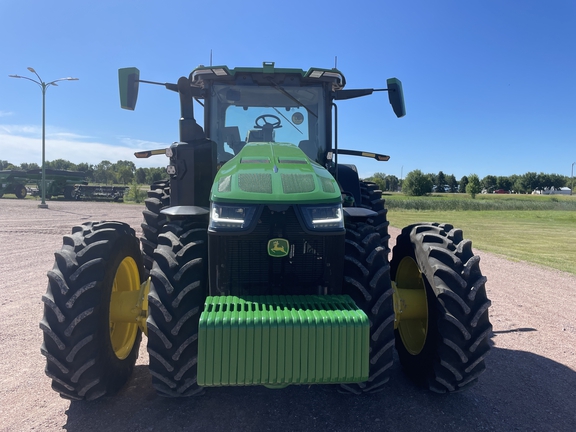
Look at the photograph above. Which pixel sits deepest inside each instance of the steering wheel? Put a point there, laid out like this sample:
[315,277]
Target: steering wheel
[274,125]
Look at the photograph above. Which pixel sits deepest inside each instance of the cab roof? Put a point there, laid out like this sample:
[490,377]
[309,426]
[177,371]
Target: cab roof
[267,72]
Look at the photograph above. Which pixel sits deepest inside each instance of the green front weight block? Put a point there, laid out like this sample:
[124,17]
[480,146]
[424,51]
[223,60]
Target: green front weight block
[281,340]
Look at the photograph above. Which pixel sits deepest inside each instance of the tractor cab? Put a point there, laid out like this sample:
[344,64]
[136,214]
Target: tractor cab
[255,105]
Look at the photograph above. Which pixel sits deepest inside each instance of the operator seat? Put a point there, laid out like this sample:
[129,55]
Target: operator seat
[260,135]
[254,135]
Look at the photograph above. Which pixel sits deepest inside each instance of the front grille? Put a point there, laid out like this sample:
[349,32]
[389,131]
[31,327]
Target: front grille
[256,183]
[240,264]
[297,183]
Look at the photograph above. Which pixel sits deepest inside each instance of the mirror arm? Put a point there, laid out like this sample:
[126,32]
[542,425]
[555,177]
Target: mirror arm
[169,86]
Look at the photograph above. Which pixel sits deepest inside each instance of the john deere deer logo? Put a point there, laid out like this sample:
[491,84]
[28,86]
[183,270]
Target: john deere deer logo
[278,247]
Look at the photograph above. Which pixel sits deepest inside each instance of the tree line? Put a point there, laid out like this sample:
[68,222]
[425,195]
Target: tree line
[106,172]
[418,183]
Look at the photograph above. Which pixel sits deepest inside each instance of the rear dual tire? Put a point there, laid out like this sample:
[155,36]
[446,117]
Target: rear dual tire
[367,281]
[372,200]
[158,198]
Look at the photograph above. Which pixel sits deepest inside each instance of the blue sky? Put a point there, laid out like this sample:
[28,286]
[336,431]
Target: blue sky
[490,85]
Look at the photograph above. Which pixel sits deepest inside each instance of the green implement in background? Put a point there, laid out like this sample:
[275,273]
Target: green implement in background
[58,182]
[13,182]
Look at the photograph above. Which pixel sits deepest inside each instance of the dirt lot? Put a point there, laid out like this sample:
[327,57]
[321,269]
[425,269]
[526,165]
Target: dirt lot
[530,383]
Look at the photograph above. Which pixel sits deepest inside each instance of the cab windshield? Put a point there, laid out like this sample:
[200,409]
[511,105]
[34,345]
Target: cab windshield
[242,114]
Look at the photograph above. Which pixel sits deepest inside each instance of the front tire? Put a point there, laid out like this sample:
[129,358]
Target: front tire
[367,281]
[177,294]
[88,354]
[444,343]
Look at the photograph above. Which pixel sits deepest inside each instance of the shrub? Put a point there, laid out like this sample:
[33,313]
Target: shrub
[135,194]
[416,184]
[473,187]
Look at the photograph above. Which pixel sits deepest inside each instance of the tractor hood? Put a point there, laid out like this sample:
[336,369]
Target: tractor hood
[274,172]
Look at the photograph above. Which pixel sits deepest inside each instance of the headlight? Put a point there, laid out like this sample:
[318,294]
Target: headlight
[231,217]
[323,217]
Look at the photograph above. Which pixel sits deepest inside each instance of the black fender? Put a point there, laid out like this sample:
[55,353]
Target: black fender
[349,181]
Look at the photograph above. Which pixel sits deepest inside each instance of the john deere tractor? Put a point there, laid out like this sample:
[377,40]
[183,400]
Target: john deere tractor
[263,260]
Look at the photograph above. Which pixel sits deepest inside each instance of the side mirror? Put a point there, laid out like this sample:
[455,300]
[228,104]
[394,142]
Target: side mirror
[396,96]
[128,80]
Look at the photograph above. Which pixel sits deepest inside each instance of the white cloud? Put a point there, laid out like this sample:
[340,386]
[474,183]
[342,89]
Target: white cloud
[5,113]
[67,136]
[20,130]
[24,144]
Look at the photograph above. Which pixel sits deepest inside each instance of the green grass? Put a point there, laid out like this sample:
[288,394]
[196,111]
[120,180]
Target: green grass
[482,202]
[540,230]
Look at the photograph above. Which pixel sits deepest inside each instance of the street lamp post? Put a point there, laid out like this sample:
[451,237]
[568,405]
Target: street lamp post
[43,86]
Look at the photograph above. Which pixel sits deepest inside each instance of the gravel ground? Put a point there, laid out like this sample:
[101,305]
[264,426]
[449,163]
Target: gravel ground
[530,383]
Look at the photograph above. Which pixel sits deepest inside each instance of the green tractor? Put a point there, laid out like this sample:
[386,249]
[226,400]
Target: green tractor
[263,260]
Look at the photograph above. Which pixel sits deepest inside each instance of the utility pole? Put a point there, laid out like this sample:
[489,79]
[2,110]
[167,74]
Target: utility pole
[572,179]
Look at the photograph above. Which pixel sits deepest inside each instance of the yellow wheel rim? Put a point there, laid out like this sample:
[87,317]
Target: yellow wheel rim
[411,306]
[123,334]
